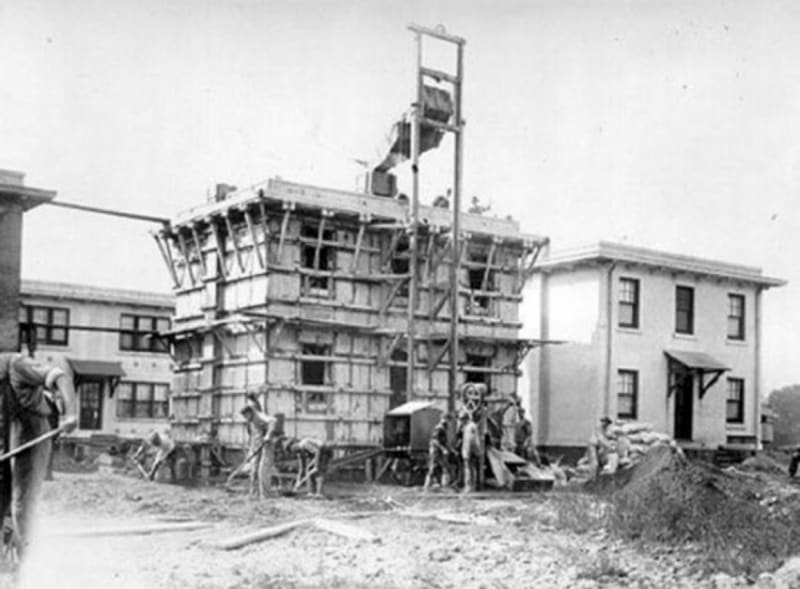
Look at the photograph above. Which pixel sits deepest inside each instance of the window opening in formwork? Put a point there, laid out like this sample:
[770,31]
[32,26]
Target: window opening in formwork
[316,254]
[475,374]
[400,264]
[481,279]
[314,373]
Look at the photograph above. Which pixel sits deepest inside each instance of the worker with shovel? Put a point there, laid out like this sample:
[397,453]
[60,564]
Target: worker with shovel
[162,447]
[29,393]
[263,430]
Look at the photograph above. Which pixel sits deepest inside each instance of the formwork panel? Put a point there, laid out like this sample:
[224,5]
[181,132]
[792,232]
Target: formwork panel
[281,371]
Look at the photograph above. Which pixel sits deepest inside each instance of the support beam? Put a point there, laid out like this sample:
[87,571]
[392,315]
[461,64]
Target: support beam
[434,362]
[185,253]
[704,386]
[166,254]
[218,244]
[320,235]
[199,249]
[489,263]
[391,348]
[387,258]
[525,269]
[251,227]
[362,226]
[265,228]
[234,242]
[392,294]
[287,208]
[439,305]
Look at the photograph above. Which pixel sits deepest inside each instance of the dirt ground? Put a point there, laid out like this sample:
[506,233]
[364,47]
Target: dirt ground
[491,540]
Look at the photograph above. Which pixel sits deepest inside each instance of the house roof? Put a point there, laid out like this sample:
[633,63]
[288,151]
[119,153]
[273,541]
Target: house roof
[83,292]
[607,252]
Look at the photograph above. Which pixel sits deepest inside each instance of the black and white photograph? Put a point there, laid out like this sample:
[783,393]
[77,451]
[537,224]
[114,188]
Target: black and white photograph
[433,294]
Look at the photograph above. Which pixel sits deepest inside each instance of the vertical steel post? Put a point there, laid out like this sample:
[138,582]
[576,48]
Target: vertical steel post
[412,238]
[455,266]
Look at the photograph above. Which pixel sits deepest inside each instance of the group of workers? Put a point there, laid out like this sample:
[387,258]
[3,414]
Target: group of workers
[265,440]
[464,456]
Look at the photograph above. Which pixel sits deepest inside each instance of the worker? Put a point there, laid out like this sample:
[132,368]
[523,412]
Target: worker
[524,446]
[509,423]
[438,454]
[601,446]
[24,417]
[162,446]
[263,434]
[795,461]
[470,451]
[313,457]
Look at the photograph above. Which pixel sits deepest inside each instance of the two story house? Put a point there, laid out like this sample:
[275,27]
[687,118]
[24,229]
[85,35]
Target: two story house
[650,336]
[106,340]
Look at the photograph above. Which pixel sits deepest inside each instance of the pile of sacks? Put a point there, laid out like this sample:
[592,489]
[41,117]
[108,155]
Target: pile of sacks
[621,445]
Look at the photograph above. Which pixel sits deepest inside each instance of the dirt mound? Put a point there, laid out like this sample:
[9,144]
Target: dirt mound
[762,463]
[671,499]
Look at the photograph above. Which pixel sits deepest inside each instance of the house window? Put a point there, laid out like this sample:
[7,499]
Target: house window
[318,257]
[627,394]
[736,316]
[684,309]
[139,333]
[734,408]
[49,325]
[628,302]
[314,373]
[142,400]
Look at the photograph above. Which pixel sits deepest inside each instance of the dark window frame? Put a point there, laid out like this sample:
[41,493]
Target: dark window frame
[684,310]
[625,391]
[738,334]
[319,286]
[45,331]
[634,304]
[142,403]
[735,402]
[140,337]
[315,401]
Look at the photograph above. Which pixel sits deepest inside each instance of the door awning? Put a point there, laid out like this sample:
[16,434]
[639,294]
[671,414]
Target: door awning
[684,365]
[97,368]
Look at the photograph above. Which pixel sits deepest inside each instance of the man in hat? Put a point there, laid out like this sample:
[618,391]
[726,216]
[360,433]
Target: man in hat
[262,430]
[438,453]
[25,413]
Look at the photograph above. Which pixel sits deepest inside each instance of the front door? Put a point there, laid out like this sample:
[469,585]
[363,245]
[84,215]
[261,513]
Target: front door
[90,398]
[684,408]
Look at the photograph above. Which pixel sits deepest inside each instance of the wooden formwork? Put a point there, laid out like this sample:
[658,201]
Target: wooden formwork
[299,294]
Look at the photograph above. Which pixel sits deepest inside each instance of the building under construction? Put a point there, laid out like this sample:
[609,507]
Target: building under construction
[336,306]
[301,294]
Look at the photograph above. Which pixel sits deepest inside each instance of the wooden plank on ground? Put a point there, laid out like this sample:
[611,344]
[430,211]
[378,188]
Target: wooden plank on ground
[159,528]
[346,530]
[260,535]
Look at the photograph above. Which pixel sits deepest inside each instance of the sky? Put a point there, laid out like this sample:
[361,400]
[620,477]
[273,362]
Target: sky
[671,125]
